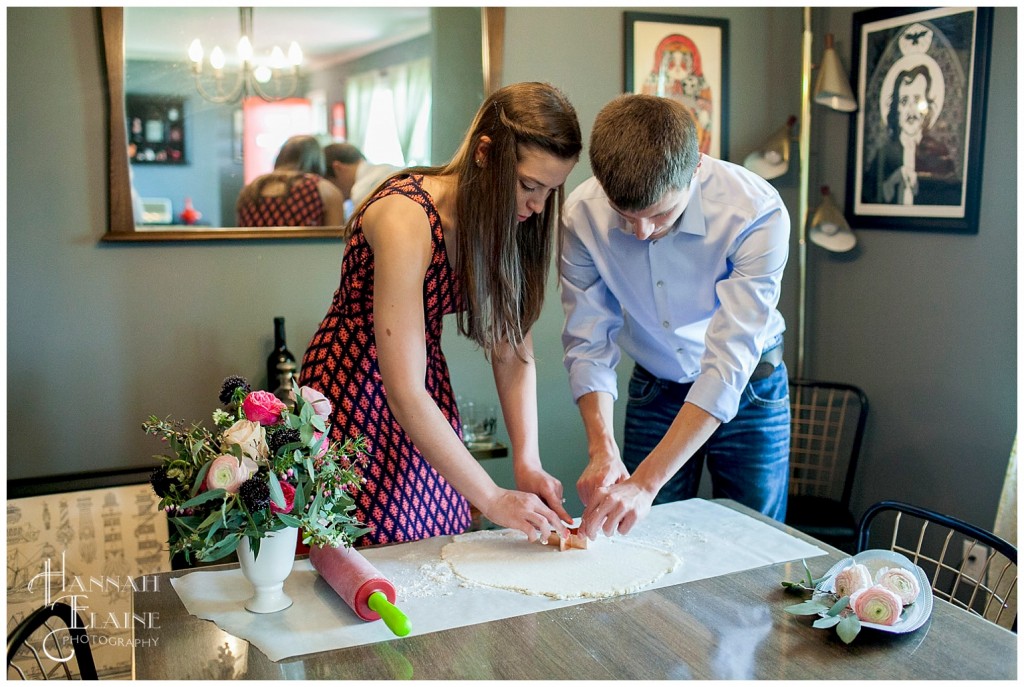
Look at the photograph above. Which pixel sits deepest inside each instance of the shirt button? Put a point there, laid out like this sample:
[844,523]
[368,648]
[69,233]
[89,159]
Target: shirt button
[665,324]
[660,283]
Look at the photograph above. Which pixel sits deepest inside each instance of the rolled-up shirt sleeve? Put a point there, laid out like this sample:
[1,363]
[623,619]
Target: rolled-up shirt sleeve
[593,316]
[738,331]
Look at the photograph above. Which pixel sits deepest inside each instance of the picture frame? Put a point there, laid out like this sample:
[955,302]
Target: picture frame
[687,59]
[908,170]
[156,129]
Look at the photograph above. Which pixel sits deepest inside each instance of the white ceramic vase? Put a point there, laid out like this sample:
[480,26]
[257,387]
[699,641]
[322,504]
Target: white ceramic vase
[268,571]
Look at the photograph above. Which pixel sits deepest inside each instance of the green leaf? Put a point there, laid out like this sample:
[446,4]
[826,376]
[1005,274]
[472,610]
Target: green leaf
[289,520]
[807,571]
[848,628]
[838,606]
[827,622]
[318,422]
[807,608]
[276,495]
[204,497]
[224,547]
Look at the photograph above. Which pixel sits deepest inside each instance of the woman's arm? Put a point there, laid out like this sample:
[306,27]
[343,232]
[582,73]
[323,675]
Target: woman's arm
[399,234]
[516,381]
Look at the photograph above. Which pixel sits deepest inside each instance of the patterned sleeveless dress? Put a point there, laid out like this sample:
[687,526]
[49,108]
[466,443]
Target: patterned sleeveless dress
[404,498]
[302,206]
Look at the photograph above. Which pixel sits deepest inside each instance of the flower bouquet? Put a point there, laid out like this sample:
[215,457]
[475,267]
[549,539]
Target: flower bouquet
[267,466]
[877,589]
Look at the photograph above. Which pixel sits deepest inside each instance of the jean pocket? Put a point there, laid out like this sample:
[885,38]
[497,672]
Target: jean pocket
[770,392]
[642,390]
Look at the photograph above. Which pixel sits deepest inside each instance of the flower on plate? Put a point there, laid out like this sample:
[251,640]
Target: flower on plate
[852,579]
[877,605]
[227,472]
[263,407]
[901,582]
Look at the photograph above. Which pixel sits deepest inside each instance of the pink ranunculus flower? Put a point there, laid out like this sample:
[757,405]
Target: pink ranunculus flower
[227,473]
[289,498]
[321,405]
[250,436]
[877,605]
[900,581]
[263,407]
[852,579]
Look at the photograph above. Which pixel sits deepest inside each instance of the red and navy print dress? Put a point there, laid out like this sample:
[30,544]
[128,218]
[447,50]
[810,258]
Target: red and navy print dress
[404,498]
[301,206]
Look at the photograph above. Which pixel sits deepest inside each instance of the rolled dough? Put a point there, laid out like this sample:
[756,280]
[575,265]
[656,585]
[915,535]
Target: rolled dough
[505,560]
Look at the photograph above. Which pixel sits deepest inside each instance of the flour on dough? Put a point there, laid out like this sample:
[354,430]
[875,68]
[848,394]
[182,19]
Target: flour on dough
[503,559]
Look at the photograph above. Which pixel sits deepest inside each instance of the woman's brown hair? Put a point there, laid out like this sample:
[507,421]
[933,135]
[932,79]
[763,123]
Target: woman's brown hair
[503,264]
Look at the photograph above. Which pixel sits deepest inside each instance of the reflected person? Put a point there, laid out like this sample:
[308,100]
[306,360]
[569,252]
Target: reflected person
[355,177]
[471,238]
[295,193]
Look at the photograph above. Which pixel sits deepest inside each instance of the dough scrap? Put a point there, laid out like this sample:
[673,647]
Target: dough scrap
[504,560]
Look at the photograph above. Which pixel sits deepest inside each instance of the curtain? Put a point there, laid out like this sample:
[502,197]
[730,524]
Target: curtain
[410,91]
[358,98]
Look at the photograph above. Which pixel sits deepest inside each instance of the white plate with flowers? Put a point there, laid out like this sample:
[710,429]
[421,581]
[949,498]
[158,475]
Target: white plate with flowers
[878,563]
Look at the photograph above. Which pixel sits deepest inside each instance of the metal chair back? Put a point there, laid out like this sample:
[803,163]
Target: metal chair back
[967,566]
[51,643]
[827,426]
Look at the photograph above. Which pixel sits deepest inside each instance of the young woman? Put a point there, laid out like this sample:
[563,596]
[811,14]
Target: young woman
[471,237]
[295,193]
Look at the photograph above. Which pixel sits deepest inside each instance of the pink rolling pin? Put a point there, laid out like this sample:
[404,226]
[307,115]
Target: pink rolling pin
[360,585]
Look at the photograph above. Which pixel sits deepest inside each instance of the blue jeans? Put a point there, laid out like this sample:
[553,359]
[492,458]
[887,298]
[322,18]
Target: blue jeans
[748,457]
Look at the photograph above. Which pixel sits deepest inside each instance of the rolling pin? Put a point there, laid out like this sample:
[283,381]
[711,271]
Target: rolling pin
[360,585]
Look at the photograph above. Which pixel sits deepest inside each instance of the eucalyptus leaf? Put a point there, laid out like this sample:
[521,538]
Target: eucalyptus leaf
[276,495]
[838,606]
[848,628]
[827,622]
[807,608]
[204,497]
[200,477]
[289,520]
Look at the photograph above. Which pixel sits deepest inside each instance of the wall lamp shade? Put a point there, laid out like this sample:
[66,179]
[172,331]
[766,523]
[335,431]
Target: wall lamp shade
[771,160]
[833,88]
[829,228]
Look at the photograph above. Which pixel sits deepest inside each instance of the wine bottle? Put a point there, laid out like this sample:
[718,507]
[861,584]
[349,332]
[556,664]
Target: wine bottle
[280,354]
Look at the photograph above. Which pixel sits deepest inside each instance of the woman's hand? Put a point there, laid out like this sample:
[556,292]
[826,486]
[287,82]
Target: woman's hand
[525,512]
[537,481]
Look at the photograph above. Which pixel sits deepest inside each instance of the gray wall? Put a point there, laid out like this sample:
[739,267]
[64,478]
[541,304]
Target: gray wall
[99,335]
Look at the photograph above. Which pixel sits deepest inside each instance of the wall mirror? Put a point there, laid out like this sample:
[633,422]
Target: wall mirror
[183,145]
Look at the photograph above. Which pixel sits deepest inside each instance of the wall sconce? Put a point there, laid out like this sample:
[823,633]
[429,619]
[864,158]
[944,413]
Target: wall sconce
[771,159]
[829,229]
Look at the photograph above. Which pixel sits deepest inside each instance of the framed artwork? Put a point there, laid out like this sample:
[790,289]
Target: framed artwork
[156,129]
[921,78]
[687,59]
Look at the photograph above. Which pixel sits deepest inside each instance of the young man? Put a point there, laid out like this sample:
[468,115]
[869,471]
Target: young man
[348,169]
[675,258]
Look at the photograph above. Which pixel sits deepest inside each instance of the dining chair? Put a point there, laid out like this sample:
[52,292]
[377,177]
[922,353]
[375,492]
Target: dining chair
[826,429]
[973,568]
[51,643]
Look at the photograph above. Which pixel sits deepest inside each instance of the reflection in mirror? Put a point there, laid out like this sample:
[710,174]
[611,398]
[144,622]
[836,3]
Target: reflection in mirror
[212,94]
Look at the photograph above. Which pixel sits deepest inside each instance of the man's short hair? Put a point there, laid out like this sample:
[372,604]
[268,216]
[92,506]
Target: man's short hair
[345,153]
[641,147]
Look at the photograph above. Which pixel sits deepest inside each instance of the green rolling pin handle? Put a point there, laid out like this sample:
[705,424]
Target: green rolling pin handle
[392,616]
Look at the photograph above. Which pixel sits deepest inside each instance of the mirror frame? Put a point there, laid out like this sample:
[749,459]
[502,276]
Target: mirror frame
[121,220]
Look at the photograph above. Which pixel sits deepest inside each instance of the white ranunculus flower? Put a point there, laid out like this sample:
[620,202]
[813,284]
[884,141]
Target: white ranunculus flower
[251,436]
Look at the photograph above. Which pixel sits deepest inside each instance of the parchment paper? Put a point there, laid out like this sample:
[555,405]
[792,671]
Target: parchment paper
[710,539]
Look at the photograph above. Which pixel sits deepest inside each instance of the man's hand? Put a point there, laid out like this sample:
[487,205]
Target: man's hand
[600,472]
[616,508]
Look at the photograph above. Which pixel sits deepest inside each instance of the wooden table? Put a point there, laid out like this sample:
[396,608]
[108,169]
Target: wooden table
[727,627]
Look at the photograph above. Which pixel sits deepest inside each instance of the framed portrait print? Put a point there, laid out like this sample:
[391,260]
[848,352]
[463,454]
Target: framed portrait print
[915,150]
[687,59]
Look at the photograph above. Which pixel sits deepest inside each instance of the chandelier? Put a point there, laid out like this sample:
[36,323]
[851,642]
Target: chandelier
[273,79]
